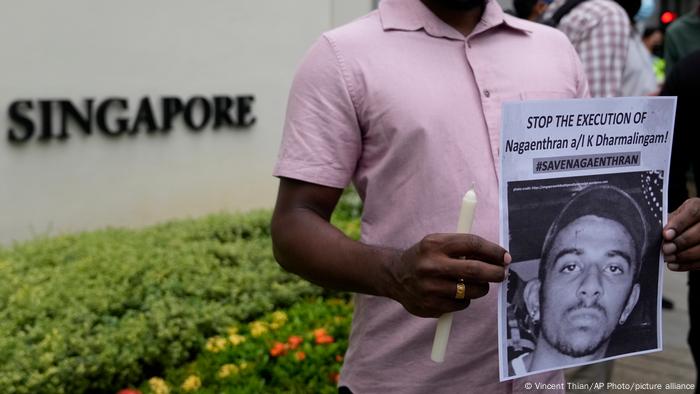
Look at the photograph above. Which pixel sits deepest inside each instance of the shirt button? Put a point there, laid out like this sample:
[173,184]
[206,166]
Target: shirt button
[469,44]
[487,93]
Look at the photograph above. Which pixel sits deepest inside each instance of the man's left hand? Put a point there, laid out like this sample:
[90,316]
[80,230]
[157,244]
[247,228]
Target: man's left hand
[681,237]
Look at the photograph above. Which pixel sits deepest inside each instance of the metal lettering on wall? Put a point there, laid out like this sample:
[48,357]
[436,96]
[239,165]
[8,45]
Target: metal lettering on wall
[46,120]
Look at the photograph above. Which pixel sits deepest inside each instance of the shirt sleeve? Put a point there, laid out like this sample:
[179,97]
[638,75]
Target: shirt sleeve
[321,140]
[604,54]
[582,88]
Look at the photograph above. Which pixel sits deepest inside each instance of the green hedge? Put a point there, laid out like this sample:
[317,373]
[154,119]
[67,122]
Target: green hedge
[100,310]
[91,311]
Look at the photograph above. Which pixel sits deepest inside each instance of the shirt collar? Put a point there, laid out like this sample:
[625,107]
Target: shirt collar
[412,15]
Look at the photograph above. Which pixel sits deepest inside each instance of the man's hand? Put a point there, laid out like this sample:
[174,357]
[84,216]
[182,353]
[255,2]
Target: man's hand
[422,278]
[681,235]
[426,275]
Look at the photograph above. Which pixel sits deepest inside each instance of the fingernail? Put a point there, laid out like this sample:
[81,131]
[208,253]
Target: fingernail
[669,248]
[670,258]
[507,258]
[674,267]
[670,234]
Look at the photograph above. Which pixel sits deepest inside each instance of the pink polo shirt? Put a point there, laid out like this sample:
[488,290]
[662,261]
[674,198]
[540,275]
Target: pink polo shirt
[408,109]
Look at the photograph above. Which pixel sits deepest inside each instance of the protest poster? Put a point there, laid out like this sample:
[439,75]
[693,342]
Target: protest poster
[582,202]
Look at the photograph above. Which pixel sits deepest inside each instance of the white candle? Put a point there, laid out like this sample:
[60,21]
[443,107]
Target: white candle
[444,323]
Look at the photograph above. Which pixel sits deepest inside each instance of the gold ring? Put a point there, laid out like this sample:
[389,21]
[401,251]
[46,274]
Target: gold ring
[461,290]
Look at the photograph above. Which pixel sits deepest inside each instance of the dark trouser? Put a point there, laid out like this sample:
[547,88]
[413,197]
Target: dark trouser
[694,332]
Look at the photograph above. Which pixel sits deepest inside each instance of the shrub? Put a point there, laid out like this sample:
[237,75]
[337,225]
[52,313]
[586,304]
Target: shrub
[97,310]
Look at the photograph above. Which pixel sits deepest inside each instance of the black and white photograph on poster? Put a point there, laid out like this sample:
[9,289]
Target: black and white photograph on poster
[583,199]
[583,285]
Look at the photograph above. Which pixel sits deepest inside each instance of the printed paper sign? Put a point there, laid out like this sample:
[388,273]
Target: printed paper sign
[583,197]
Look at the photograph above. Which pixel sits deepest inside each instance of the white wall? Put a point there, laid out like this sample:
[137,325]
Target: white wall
[132,48]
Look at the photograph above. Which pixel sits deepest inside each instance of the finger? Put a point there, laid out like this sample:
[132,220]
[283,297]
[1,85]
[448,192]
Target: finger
[668,248]
[471,270]
[474,247]
[441,289]
[686,240]
[472,290]
[433,301]
[686,256]
[687,215]
[450,304]
[692,266]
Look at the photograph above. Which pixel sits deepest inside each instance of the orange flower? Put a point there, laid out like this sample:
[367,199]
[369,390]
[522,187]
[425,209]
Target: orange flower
[334,377]
[339,358]
[294,341]
[324,339]
[319,332]
[278,349]
[300,356]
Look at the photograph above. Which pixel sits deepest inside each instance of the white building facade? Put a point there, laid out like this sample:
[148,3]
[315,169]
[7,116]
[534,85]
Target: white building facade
[134,112]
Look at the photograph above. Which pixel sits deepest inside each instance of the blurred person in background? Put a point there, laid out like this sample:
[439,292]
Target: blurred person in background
[653,39]
[532,10]
[684,82]
[682,38]
[601,31]
[638,77]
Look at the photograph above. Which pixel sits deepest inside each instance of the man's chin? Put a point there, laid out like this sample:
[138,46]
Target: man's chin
[578,350]
[580,344]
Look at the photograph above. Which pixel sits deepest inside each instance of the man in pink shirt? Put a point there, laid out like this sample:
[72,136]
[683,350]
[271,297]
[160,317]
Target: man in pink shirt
[406,104]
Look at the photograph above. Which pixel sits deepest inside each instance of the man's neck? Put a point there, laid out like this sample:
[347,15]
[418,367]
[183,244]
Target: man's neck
[463,21]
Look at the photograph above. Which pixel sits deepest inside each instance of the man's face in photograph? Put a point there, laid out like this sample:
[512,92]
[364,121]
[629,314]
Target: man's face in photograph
[588,288]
